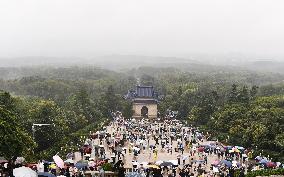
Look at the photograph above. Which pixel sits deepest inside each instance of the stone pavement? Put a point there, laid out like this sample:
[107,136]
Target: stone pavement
[147,156]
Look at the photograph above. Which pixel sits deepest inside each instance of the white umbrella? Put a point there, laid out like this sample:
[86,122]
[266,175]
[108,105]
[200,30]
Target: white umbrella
[215,170]
[185,157]
[24,172]
[159,162]
[175,162]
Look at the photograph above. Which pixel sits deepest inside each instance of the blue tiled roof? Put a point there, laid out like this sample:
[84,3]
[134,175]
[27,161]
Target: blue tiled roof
[142,92]
[145,91]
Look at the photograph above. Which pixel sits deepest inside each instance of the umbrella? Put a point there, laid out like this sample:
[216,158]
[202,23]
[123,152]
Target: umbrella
[175,162]
[234,150]
[58,161]
[3,160]
[133,174]
[198,161]
[69,161]
[81,165]
[201,149]
[258,158]
[240,147]
[226,162]
[215,170]
[165,164]
[215,162]
[271,164]
[52,166]
[153,166]
[83,161]
[263,161]
[45,174]
[184,157]
[159,162]
[24,172]
[199,137]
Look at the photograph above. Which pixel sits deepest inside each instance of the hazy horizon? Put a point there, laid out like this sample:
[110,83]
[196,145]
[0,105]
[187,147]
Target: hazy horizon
[187,29]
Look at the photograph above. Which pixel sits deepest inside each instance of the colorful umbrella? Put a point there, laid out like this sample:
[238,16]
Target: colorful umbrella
[52,166]
[271,164]
[81,165]
[226,162]
[58,161]
[234,150]
[201,149]
[153,166]
[3,160]
[215,162]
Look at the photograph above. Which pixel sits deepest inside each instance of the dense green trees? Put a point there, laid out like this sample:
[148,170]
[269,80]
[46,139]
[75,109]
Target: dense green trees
[76,100]
[75,114]
[14,139]
[244,119]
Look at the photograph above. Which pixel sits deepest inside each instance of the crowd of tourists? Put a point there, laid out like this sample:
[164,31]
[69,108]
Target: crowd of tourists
[150,148]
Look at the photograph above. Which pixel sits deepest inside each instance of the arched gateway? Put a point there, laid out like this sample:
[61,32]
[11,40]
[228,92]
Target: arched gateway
[144,111]
[144,102]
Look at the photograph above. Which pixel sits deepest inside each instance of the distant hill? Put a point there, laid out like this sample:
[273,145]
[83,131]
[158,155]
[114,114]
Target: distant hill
[266,66]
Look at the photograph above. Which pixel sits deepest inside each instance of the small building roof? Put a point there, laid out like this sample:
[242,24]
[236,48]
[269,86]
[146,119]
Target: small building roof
[142,92]
[145,91]
[145,101]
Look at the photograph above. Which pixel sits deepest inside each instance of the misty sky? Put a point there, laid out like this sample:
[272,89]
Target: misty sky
[86,28]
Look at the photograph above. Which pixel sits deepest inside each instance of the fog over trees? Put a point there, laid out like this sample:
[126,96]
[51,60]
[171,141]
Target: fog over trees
[218,64]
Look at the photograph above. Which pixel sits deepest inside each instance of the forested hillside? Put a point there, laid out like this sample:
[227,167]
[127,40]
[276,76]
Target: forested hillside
[240,107]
